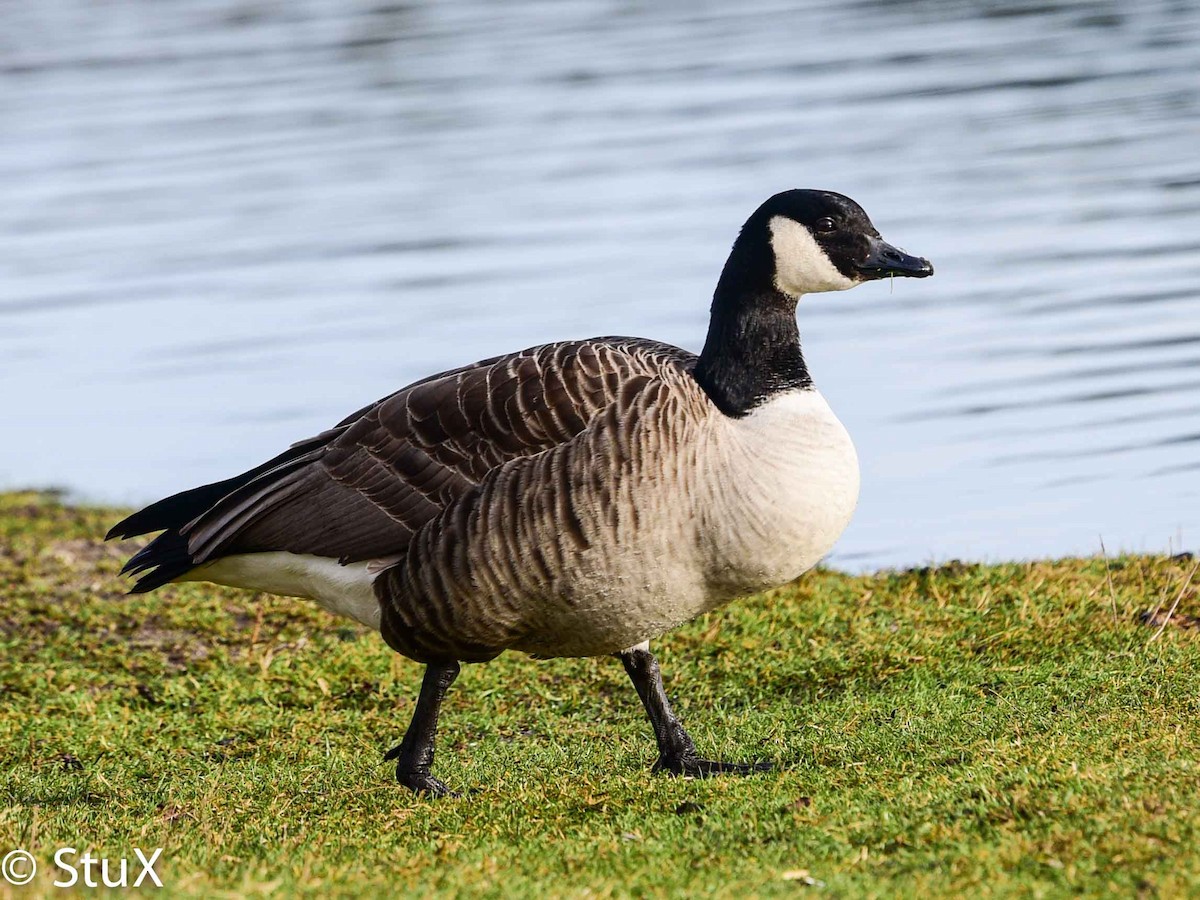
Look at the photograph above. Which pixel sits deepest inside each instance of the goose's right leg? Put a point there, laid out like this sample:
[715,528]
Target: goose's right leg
[414,755]
[676,752]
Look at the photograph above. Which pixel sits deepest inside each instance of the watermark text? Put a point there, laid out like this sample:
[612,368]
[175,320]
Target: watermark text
[76,869]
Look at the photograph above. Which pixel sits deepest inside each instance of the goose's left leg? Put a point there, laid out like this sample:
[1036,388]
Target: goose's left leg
[676,752]
[414,755]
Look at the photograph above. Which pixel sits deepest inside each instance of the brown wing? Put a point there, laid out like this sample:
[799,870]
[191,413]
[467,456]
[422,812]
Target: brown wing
[361,490]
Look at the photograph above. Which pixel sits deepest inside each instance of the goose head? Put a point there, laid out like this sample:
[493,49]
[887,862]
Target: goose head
[796,243]
[824,241]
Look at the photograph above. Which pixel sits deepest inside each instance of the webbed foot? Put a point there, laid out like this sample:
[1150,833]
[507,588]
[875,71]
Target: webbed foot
[417,782]
[694,767]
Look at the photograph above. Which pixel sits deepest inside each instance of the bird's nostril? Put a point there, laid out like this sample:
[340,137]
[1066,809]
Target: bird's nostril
[891,255]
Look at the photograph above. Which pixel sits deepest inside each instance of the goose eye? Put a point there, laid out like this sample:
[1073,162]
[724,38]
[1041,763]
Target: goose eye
[826,225]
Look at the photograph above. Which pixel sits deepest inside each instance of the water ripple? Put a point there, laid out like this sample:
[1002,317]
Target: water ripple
[228,224]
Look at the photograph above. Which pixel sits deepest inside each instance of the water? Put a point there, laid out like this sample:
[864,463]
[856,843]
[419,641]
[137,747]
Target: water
[227,224]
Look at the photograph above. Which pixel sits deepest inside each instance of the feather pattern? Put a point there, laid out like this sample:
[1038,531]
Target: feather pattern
[361,490]
[660,510]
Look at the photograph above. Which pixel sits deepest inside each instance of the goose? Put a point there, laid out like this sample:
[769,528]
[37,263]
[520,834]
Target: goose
[573,499]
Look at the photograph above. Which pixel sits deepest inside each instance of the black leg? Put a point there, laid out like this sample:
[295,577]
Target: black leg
[414,756]
[676,752]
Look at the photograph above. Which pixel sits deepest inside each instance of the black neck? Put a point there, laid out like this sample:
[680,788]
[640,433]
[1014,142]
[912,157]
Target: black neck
[753,346]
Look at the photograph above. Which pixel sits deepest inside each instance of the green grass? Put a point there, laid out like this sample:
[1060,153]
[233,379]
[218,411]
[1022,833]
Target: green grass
[999,730]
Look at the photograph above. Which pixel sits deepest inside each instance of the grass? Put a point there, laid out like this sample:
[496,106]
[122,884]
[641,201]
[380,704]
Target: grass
[1000,730]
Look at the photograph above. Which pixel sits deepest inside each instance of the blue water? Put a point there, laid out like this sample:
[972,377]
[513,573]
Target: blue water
[227,224]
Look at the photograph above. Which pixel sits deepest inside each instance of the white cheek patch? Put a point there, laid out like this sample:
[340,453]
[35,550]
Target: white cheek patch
[801,266]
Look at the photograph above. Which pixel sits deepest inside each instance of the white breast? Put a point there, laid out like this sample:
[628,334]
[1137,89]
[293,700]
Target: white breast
[788,487]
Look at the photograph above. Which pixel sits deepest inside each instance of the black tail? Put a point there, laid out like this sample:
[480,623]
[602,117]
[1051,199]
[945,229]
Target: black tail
[178,509]
[167,556]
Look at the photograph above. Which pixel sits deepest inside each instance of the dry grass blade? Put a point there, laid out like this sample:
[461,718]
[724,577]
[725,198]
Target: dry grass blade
[1170,612]
[1112,594]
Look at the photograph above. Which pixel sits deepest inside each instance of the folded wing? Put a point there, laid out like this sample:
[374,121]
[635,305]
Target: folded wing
[362,489]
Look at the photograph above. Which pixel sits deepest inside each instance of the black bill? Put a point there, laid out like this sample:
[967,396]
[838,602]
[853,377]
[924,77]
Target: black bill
[883,260]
